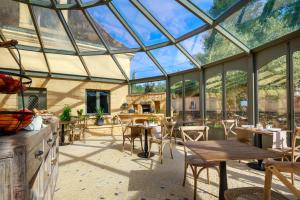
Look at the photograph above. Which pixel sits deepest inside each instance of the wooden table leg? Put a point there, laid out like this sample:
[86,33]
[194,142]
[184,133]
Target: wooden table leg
[62,136]
[223,180]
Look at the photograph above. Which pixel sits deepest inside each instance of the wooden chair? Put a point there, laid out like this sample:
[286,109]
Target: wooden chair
[196,133]
[77,129]
[130,134]
[254,193]
[163,138]
[290,153]
[228,126]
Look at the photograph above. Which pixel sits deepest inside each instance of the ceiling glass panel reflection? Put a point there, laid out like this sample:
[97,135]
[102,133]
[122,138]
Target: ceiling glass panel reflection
[261,21]
[174,17]
[16,23]
[112,30]
[214,8]
[145,30]
[210,46]
[141,66]
[52,31]
[171,59]
[85,36]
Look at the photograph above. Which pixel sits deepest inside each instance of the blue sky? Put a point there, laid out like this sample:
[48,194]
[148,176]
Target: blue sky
[174,18]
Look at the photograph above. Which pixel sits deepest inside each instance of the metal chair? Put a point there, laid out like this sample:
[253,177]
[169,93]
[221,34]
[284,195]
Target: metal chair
[196,133]
[254,193]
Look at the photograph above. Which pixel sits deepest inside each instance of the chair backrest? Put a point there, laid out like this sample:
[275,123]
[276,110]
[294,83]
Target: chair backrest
[124,124]
[194,133]
[276,168]
[167,128]
[228,126]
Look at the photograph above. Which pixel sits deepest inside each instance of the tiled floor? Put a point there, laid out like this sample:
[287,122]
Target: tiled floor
[98,169]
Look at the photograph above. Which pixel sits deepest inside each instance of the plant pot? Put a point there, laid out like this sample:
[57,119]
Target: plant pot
[100,122]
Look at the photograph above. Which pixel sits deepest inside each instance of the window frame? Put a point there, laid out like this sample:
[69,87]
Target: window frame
[98,100]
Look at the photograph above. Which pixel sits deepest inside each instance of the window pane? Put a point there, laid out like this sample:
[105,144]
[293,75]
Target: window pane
[113,31]
[52,31]
[192,104]
[104,66]
[261,21]
[272,93]
[104,101]
[174,17]
[213,98]
[214,8]
[171,59]
[34,98]
[16,23]
[157,86]
[210,46]
[91,99]
[147,32]
[236,95]
[83,33]
[296,65]
[141,66]
[176,100]
[66,64]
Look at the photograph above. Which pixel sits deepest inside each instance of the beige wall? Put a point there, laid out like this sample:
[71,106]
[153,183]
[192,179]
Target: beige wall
[62,92]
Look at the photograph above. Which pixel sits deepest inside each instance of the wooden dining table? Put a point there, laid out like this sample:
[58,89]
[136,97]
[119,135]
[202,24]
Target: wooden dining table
[225,150]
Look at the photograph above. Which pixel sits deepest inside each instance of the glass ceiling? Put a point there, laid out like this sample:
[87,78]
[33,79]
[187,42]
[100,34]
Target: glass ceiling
[138,39]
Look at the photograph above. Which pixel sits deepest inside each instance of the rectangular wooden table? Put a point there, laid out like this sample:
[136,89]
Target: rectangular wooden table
[224,150]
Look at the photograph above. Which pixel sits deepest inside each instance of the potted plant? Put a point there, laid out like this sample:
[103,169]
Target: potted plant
[66,114]
[80,112]
[99,117]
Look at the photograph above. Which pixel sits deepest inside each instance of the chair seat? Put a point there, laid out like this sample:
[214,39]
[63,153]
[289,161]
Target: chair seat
[250,193]
[196,161]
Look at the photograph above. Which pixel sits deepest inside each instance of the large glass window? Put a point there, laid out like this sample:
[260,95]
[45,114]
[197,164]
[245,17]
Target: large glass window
[213,98]
[296,65]
[236,95]
[97,99]
[192,100]
[34,98]
[272,99]
[176,100]
[157,86]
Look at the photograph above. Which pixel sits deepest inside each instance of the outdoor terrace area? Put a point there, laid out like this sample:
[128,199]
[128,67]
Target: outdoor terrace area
[149,99]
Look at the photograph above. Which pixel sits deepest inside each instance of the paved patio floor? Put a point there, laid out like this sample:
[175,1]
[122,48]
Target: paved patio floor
[98,169]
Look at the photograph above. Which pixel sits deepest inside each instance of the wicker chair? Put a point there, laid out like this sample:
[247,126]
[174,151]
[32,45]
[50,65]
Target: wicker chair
[196,133]
[130,134]
[228,126]
[163,138]
[254,193]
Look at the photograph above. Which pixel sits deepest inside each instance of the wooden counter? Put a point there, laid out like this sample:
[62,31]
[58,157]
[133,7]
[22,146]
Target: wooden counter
[28,165]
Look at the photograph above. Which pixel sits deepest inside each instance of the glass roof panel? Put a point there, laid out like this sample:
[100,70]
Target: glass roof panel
[103,66]
[52,31]
[210,46]
[214,8]
[171,59]
[16,23]
[141,66]
[33,61]
[261,21]
[112,30]
[174,17]
[83,33]
[65,64]
[145,30]
[7,61]
[66,1]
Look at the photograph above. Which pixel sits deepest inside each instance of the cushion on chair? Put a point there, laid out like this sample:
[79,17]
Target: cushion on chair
[196,161]
[250,193]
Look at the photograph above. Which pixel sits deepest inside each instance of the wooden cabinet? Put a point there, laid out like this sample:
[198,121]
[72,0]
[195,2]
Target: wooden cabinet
[29,165]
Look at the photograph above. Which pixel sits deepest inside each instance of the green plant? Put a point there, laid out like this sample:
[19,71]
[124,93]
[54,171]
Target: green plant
[66,114]
[99,113]
[80,112]
[153,120]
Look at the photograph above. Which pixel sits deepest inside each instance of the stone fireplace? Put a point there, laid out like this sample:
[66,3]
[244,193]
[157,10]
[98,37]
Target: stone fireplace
[147,103]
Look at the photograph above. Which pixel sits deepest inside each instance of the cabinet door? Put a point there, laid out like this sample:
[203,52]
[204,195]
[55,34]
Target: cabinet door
[5,179]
